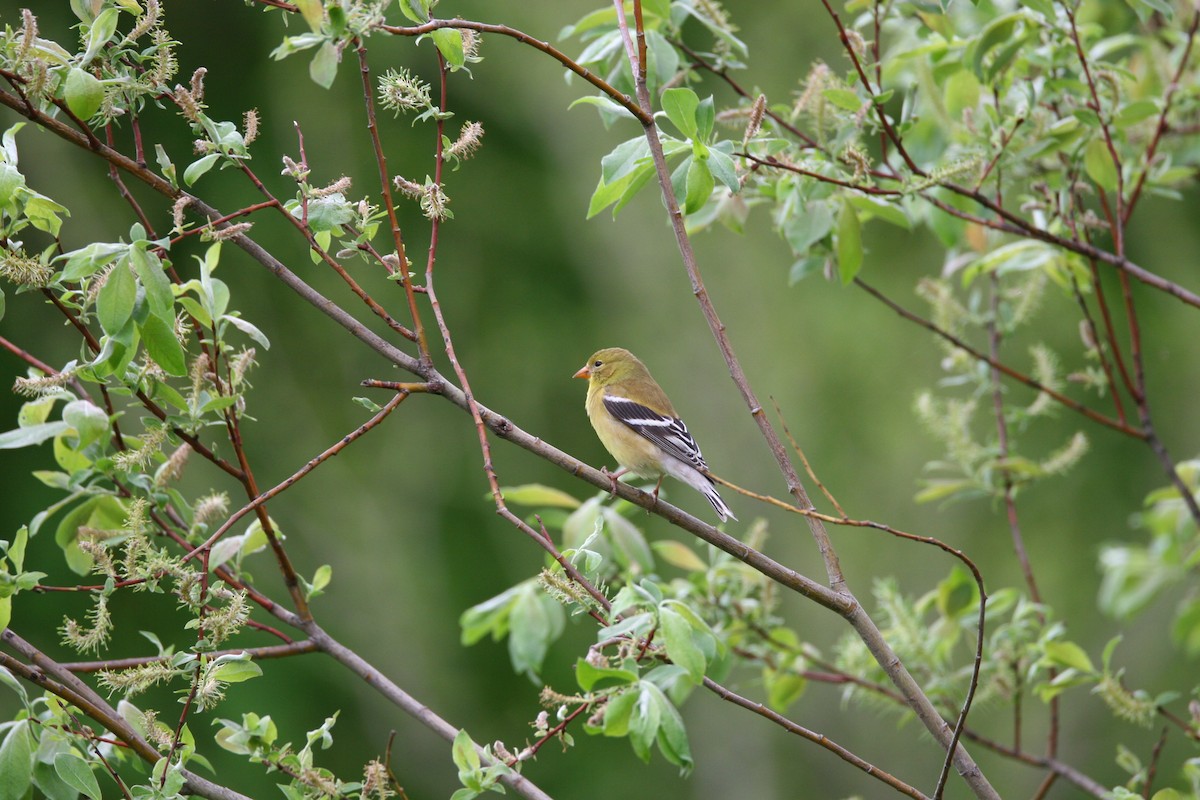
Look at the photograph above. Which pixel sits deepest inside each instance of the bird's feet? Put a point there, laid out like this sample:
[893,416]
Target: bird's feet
[613,477]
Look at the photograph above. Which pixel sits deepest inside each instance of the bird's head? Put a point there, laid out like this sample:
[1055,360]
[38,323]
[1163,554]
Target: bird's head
[609,365]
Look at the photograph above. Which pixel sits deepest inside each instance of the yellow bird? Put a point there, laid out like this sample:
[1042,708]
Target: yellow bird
[638,425]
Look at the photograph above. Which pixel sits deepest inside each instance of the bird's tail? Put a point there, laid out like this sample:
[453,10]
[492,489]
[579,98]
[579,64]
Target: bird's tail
[710,491]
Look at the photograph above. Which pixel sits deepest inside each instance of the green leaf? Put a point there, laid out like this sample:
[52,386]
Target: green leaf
[618,713]
[89,421]
[1071,655]
[199,167]
[590,677]
[676,634]
[535,621]
[538,495]
[844,99]
[322,577]
[163,347]
[961,92]
[890,212]
[678,554]
[323,67]
[90,259]
[16,762]
[700,185]
[416,10]
[647,714]
[705,116]
[165,164]
[5,612]
[629,545]
[1099,165]
[723,169]
[313,12]
[449,44]
[463,751]
[76,773]
[957,593]
[104,512]
[156,283]
[783,688]
[101,30]
[680,105]
[46,781]
[114,304]
[237,671]
[849,244]
[31,435]
[83,92]
[808,226]
[1135,112]
[35,412]
[249,329]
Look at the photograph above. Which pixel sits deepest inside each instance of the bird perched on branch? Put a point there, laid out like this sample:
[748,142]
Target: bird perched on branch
[638,425]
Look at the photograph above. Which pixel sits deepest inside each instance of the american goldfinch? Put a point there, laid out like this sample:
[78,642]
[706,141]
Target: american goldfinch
[638,425]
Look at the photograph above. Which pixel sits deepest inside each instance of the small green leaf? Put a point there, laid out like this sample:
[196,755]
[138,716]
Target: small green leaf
[647,715]
[114,304]
[618,713]
[249,329]
[676,634]
[1099,165]
[783,688]
[76,773]
[165,164]
[101,30]
[321,577]
[89,421]
[700,185]
[590,677]
[83,92]
[1069,654]
[450,45]
[956,594]
[678,554]
[538,495]
[680,105]
[90,259]
[16,762]
[416,10]
[705,116]
[313,12]
[844,98]
[163,347]
[465,756]
[198,167]
[809,226]
[323,67]
[723,169]
[849,244]
[155,281]
[629,545]
[237,671]
[31,435]
[535,621]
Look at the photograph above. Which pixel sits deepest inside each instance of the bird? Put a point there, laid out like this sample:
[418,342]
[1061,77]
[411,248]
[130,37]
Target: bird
[638,425]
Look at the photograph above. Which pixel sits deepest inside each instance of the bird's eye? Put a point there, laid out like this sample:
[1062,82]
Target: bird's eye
[598,363]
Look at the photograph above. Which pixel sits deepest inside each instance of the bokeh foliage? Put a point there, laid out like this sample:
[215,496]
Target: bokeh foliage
[993,103]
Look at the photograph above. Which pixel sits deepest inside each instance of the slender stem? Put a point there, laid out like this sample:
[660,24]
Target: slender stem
[385,190]
[289,482]
[1074,405]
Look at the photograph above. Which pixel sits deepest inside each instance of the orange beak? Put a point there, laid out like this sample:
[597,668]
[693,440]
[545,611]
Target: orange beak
[583,373]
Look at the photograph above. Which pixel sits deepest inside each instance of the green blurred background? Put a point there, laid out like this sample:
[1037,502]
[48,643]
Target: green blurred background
[530,289]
